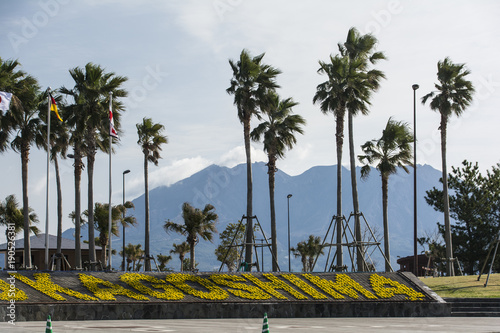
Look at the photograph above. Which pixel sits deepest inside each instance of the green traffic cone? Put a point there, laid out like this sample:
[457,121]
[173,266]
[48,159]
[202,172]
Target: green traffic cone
[265,325]
[48,329]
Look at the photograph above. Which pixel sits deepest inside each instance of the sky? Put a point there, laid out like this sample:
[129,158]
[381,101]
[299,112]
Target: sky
[175,55]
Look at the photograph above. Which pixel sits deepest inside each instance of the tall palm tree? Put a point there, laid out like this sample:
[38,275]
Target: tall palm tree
[150,139]
[92,90]
[332,97]
[181,250]
[308,251]
[453,95]
[197,222]
[59,143]
[11,217]
[74,119]
[360,51]
[101,222]
[250,84]
[23,120]
[391,151]
[278,133]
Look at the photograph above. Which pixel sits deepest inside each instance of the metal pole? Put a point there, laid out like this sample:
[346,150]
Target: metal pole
[110,221]
[288,209]
[415,254]
[47,189]
[123,234]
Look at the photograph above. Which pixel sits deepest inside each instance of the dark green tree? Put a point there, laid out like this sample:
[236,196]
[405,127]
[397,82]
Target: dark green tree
[474,206]
[308,251]
[181,250]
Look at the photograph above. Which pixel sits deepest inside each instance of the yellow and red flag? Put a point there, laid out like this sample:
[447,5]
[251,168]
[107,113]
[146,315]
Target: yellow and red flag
[53,107]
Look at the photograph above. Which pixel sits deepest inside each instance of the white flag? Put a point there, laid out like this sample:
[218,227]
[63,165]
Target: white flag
[5,98]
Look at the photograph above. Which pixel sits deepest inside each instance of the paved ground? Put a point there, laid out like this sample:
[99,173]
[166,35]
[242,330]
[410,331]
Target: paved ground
[313,325]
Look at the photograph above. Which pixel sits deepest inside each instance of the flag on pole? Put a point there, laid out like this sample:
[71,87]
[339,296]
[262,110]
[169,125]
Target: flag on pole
[265,325]
[112,130]
[53,107]
[5,98]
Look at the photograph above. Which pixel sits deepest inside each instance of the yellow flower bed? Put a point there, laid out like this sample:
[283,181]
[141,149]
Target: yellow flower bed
[215,293]
[7,294]
[134,280]
[270,287]
[303,286]
[44,284]
[106,294]
[240,289]
[387,288]
[216,287]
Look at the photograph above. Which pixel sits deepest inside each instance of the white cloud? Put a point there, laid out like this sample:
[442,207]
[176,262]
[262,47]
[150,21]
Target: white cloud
[237,156]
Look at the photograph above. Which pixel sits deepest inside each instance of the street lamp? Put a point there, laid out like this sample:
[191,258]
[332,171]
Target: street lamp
[123,224]
[415,259]
[288,208]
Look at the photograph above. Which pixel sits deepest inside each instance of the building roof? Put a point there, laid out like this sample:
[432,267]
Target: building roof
[38,243]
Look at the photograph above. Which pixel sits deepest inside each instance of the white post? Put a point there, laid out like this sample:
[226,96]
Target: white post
[109,208]
[47,189]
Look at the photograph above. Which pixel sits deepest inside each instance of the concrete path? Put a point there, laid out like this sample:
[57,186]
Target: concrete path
[312,325]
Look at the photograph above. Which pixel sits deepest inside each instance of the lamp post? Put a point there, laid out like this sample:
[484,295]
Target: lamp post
[415,258]
[123,224]
[288,208]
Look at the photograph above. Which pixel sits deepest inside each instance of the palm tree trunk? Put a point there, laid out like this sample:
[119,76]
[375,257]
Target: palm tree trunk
[90,205]
[355,203]
[340,142]
[274,242]
[26,218]
[385,191]
[182,263]
[147,264]
[78,209]
[446,203]
[191,254]
[249,233]
[59,213]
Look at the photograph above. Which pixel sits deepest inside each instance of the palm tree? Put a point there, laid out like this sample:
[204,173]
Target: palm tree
[59,142]
[163,259]
[92,92]
[359,50]
[181,250]
[22,119]
[278,133]
[101,222]
[250,84]
[150,139]
[453,96]
[197,222]
[391,151]
[9,79]
[74,119]
[11,217]
[132,253]
[332,97]
[308,251]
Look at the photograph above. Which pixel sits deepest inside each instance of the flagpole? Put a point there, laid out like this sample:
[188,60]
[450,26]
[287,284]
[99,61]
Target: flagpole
[47,187]
[109,206]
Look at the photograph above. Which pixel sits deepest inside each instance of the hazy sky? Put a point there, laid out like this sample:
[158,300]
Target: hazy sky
[175,55]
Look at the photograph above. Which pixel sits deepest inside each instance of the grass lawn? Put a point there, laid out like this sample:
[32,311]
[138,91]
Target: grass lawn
[464,286]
